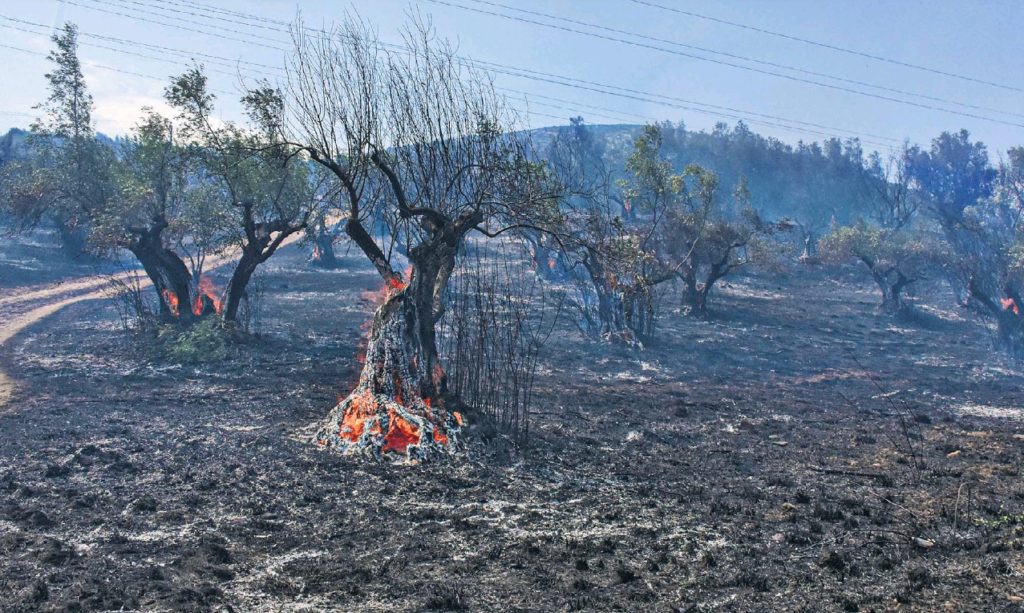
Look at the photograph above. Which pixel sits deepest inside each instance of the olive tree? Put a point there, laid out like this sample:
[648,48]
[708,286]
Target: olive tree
[420,140]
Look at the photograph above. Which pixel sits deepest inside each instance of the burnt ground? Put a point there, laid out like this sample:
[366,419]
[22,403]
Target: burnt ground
[798,453]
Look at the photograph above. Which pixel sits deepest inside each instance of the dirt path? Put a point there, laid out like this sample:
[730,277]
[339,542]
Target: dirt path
[90,288]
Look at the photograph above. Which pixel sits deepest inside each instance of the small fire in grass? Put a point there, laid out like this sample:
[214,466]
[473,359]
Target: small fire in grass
[1009,304]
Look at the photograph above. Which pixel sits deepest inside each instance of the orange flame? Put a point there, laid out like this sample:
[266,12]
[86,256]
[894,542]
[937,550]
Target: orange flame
[401,433]
[367,413]
[353,422]
[1010,305]
[208,290]
[172,301]
[391,286]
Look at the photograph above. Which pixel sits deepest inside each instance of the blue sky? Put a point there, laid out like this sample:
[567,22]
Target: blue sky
[978,39]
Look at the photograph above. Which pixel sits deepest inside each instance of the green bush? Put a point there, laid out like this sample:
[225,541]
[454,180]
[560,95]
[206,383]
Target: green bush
[206,341]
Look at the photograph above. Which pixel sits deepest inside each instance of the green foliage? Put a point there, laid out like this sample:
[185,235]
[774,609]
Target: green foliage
[909,249]
[68,109]
[812,183]
[253,182]
[206,342]
[955,173]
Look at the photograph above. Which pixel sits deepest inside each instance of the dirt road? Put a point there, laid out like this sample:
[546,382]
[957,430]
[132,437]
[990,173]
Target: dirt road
[34,304]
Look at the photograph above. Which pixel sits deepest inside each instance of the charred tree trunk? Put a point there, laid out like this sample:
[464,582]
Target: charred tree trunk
[611,307]
[262,240]
[398,405]
[695,296]
[1009,317]
[323,255]
[1010,332]
[166,270]
[240,278]
[892,294]
[891,283]
[547,260]
[639,313]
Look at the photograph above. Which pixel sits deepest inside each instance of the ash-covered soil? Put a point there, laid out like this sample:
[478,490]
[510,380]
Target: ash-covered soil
[796,453]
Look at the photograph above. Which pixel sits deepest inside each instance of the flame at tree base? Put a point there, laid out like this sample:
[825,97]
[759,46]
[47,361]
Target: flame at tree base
[386,414]
[377,424]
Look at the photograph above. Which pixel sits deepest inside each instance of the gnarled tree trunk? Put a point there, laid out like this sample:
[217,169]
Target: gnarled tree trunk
[891,283]
[398,404]
[262,239]
[892,287]
[166,270]
[240,278]
[695,296]
[1009,315]
[323,255]
[611,307]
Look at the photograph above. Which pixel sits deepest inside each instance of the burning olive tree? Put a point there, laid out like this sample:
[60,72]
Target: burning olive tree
[133,198]
[418,139]
[980,210]
[147,215]
[269,192]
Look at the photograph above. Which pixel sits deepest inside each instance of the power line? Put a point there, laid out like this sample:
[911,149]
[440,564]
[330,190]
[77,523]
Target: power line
[577,106]
[545,77]
[114,49]
[105,67]
[170,25]
[668,101]
[724,63]
[187,12]
[573,83]
[748,59]
[827,46]
[114,39]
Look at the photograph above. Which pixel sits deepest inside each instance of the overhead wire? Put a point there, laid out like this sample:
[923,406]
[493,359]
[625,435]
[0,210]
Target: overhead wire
[725,63]
[829,46]
[568,82]
[744,58]
[534,75]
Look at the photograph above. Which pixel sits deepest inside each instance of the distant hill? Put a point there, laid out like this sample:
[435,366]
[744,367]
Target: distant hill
[812,183]
[11,144]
